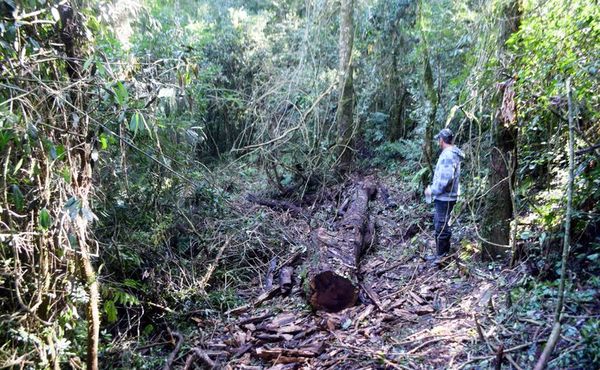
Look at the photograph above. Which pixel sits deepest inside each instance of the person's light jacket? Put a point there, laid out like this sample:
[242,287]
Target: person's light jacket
[446,184]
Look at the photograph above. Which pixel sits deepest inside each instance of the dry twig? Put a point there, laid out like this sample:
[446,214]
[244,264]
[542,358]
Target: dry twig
[174,352]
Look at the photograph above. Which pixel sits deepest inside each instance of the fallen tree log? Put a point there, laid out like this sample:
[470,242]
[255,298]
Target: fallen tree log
[334,271]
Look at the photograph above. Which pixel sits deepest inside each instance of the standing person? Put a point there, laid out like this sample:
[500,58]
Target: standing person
[445,189]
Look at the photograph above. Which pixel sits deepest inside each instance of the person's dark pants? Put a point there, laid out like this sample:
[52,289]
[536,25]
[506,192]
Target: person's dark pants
[442,229]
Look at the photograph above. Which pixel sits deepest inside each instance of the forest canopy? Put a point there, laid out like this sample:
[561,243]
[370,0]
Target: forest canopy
[178,177]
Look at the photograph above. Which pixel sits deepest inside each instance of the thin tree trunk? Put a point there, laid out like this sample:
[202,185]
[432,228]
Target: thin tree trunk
[433,101]
[345,112]
[81,171]
[398,95]
[554,336]
[93,314]
[498,209]
[432,97]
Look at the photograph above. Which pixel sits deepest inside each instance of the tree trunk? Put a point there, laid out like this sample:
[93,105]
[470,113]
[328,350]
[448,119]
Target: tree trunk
[397,125]
[334,277]
[554,336]
[79,158]
[433,101]
[399,96]
[345,114]
[498,208]
[432,97]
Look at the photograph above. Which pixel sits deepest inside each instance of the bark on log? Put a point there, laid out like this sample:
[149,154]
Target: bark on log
[334,281]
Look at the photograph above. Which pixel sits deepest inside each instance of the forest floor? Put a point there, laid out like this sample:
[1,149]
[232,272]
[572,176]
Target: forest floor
[411,314]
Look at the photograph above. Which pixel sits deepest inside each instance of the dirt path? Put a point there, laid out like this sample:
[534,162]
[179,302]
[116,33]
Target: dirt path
[412,315]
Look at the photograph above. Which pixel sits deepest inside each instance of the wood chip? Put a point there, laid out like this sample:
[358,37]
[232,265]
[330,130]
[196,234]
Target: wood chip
[290,329]
[255,319]
[363,315]
[416,297]
[372,295]
[395,304]
[274,337]
[423,310]
[275,353]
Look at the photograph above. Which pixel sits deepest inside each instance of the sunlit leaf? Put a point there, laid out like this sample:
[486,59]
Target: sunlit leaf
[66,174]
[121,94]
[18,166]
[103,142]
[44,219]
[55,13]
[134,123]
[110,310]
[17,198]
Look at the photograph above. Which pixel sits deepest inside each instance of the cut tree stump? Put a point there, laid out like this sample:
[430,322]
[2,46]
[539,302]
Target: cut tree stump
[334,271]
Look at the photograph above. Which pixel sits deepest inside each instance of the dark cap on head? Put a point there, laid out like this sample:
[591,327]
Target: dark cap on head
[446,135]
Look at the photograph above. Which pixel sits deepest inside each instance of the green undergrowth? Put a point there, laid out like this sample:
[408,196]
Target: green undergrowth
[535,302]
[199,256]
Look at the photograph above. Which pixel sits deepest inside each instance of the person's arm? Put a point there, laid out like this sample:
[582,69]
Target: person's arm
[444,172]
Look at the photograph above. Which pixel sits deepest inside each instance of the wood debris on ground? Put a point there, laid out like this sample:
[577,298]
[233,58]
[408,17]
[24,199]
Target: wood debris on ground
[409,315]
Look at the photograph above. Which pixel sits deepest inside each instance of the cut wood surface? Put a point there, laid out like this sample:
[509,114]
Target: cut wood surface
[334,279]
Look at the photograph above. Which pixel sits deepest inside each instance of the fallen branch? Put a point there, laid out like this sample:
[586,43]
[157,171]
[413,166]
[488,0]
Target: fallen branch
[277,205]
[275,290]
[496,350]
[372,296]
[552,340]
[393,266]
[141,348]
[588,149]
[499,357]
[213,265]
[423,345]
[174,352]
[253,319]
[197,353]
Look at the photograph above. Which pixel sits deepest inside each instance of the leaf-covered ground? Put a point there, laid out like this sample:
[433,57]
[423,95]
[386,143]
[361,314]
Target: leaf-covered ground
[411,314]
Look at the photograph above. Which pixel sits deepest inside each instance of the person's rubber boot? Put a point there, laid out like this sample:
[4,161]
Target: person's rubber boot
[443,247]
[434,260]
[443,261]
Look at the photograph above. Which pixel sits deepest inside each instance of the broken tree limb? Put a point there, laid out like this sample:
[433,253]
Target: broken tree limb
[197,353]
[334,278]
[277,205]
[265,296]
[173,353]
[372,296]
